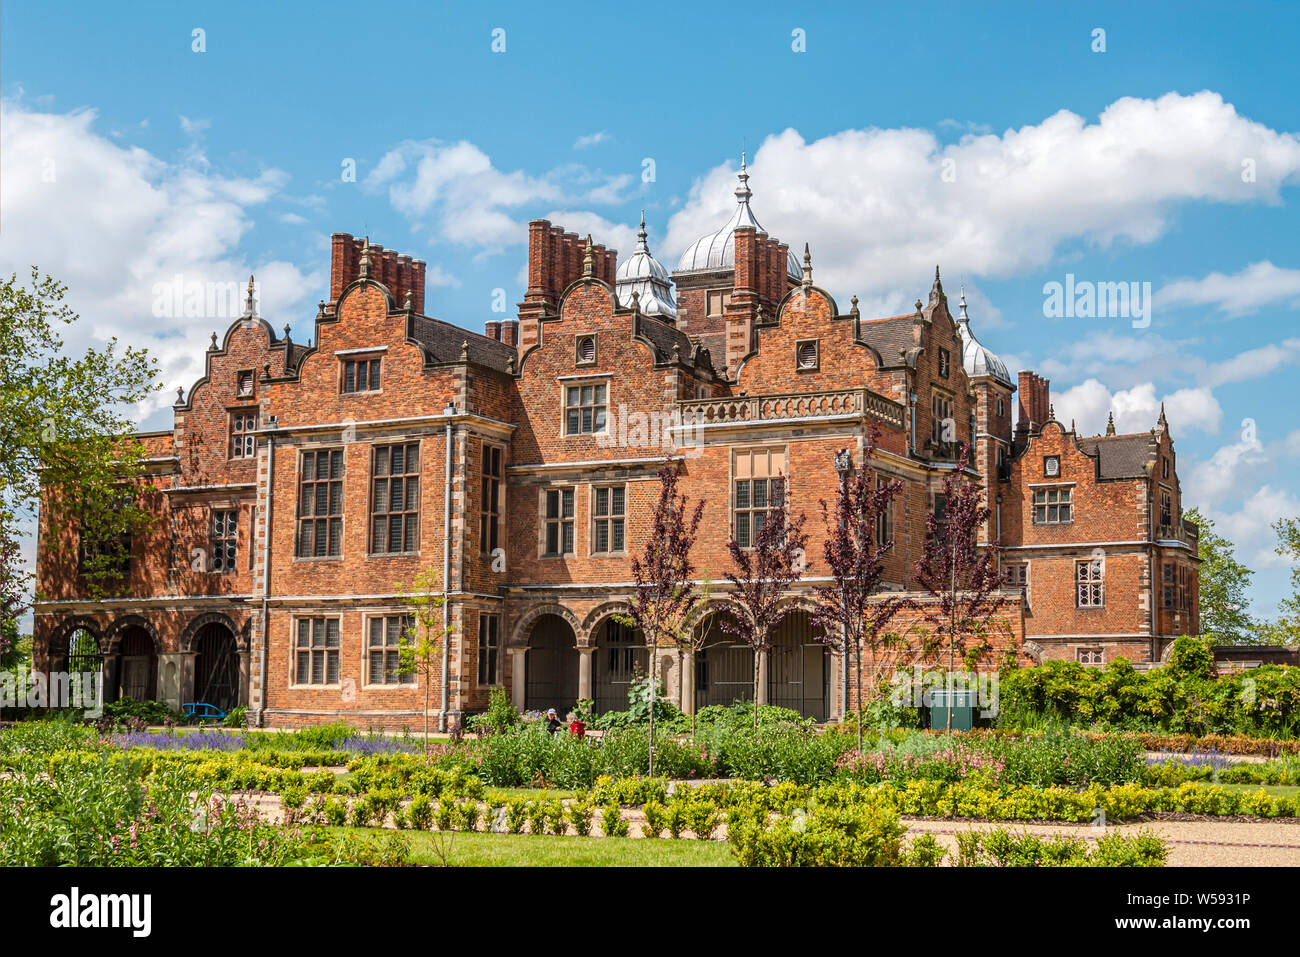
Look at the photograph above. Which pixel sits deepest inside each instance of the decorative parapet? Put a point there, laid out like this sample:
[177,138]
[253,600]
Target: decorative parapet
[798,405]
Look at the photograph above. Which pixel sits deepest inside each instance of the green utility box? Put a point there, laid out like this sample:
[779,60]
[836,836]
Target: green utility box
[963,710]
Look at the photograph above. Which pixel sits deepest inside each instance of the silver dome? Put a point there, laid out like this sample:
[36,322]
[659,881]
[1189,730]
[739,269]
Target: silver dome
[977,360]
[642,274]
[717,250]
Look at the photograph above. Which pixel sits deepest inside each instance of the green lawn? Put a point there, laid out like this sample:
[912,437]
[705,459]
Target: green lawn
[524,850]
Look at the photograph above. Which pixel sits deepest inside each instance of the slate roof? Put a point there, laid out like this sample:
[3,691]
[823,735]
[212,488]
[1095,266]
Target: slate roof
[442,341]
[888,337]
[1121,456]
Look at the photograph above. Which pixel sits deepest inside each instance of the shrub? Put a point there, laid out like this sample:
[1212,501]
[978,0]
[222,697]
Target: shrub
[237,717]
[702,819]
[579,815]
[516,814]
[864,835]
[656,819]
[924,850]
[420,812]
[612,821]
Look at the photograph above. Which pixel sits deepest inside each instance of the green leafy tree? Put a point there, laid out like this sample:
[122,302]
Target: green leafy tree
[1223,585]
[1288,546]
[420,653]
[65,427]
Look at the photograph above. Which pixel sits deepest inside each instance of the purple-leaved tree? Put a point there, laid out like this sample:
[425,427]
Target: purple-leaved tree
[958,573]
[851,614]
[761,574]
[666,598]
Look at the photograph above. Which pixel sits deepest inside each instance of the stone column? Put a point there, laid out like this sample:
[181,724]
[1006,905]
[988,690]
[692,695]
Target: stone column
[584,673]
[518,677]
[760,692]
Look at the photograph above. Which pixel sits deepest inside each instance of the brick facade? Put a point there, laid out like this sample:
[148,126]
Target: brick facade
[520,467]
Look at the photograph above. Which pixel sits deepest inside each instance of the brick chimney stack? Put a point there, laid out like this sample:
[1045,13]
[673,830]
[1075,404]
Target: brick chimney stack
[1035,401]
[401,274]
[554,261]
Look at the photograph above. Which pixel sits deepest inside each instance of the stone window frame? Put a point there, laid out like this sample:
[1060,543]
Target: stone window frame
[341,515]
[723,294]
[294,650]
[1002,409]
[407,476]
[496,513]
[1095,656]
[1064,499]
[884,530]
[782,452]
[816,364]
[581,382]
[578,342]
[371,358]
[611,517]
[1086,587]
[241,422]
[497,678]
[543,521]
[402,682]
[1015,581]
[942,400]
[223,525]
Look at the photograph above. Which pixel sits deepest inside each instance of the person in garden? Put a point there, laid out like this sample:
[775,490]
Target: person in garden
[553,723]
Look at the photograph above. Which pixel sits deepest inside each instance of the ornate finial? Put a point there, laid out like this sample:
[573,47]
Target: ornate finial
[464,350]
[742,191]
[636,301]
[919,307]
[408,301]
[180,395]
[1051,412]
[510,365]
[588,259]
[250,305]
[266,371]
[213,346]
[854,310]
[286,332]
[807,267]
[1162,421]
[365,259]
[961,308]
[1110,424]
[1072,425]
[677,352]
[641,234]
[936,291]
[320,309]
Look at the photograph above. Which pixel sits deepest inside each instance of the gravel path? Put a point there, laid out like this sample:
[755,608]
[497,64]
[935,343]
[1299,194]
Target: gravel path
[1191,843]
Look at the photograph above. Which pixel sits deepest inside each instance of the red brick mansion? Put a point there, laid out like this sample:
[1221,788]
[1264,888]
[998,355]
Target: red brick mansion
[520,465]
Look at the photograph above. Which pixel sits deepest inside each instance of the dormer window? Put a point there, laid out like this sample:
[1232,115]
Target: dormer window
[244,384]
[585,350]
[807,355]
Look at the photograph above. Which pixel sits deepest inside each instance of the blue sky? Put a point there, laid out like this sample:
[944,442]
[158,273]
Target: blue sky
[993,140]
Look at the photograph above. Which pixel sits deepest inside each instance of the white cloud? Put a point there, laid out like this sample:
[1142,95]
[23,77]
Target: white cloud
[1251,526]
[590,140]
[467,200]
[112,221]
[1136,409]
[1256,286]
[1224,473]
[877,206]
